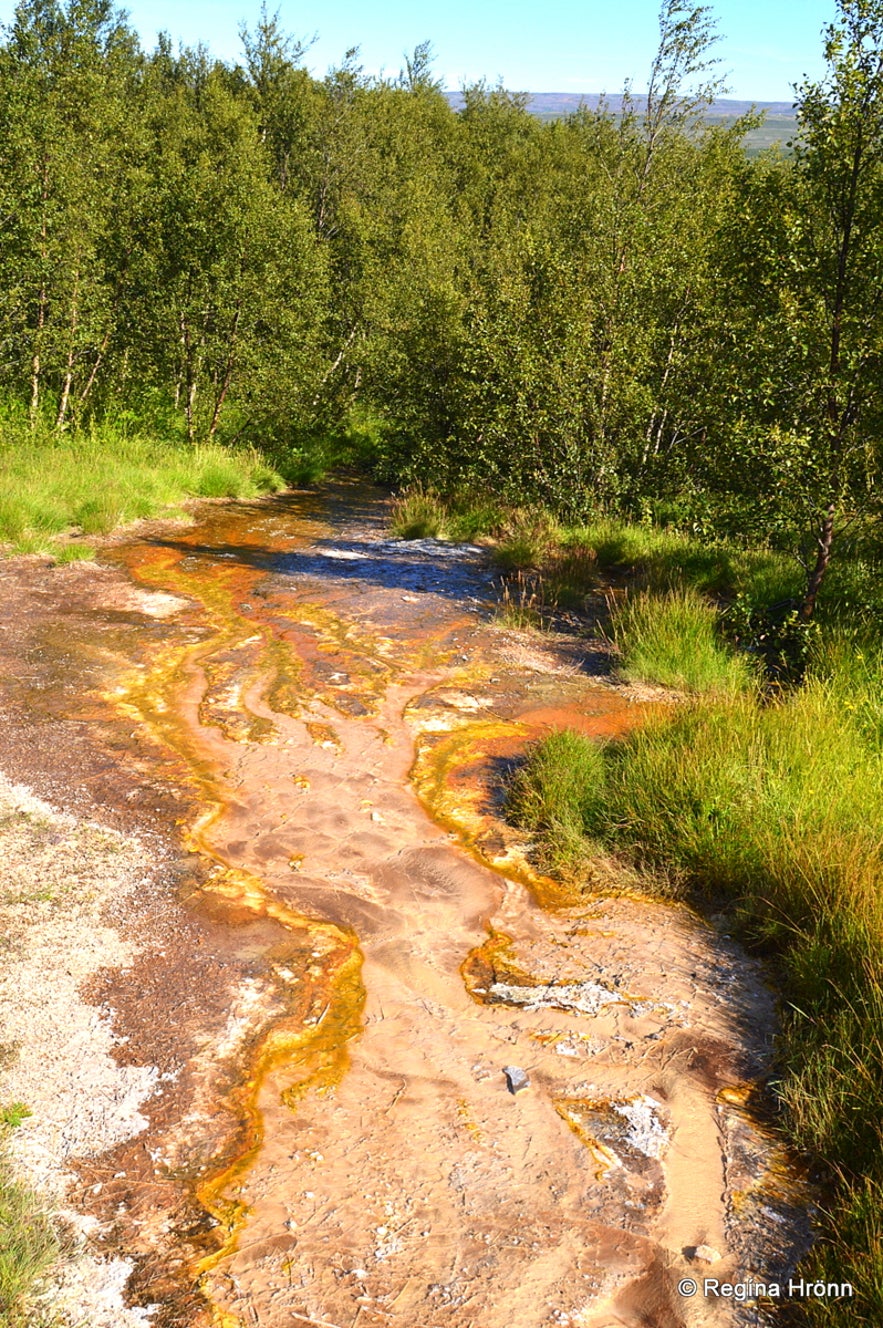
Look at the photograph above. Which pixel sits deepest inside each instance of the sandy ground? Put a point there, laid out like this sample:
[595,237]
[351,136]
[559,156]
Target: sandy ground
[281,1083]
[62,879]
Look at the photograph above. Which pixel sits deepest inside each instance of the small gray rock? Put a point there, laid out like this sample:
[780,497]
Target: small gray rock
[516,1079]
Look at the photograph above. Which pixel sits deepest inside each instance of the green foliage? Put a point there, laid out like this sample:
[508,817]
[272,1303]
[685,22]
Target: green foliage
[776,633]
[614,313]
[851,1254]
[28,1248]
[804,259]
[12,1115]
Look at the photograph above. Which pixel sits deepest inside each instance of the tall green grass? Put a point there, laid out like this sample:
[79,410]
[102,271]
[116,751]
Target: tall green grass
[673,639]
[420,512]
[555,798]
[662,559]
[86,484]
[778,807]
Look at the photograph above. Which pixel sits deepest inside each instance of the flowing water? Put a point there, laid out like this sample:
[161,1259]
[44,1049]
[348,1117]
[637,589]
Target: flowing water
[356,948]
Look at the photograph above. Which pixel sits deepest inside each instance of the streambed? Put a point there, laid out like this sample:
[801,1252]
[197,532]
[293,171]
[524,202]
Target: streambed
[345,949]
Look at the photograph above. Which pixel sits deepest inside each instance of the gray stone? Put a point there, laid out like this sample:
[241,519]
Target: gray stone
[516,1079]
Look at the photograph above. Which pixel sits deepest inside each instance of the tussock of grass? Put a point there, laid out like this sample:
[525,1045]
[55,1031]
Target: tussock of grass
[555,796]
[672,639]
[92,482]
[527,540]
[521,605]
[571,574]
[422,513]
[419,513]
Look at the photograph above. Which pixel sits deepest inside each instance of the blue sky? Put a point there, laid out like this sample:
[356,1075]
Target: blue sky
[559,46]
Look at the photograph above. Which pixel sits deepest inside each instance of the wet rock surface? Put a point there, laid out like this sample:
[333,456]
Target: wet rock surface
[330,982]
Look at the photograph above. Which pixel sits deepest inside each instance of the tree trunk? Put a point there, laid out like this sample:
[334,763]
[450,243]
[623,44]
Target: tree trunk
[189,376]
[41,310]
[61,417]
[93,374]
[825,539]
[35,360]
[228,377]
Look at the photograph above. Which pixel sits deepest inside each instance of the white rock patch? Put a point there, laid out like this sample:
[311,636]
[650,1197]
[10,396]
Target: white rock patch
[646,1133]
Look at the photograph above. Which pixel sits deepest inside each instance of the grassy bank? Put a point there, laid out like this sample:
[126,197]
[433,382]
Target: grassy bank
[56,491]
[651,557]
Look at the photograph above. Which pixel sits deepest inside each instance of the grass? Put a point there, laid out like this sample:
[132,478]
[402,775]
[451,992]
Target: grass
[29,1245]
[420,512]
[527,540]
[543,571]
[662,559]
[521,604]
[768,800]
[86,484]
[566,563]
[554,797]
[777,806]
[673,639]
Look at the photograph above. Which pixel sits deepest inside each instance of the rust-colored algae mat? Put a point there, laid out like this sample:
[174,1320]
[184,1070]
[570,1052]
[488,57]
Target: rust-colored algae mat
[401,1078]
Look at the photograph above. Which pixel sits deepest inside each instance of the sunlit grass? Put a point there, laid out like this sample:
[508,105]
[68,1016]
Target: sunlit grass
[85,485]
[420,513]
[673,639]
[554,797]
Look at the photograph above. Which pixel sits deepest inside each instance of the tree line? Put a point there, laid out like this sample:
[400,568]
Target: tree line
[607,311]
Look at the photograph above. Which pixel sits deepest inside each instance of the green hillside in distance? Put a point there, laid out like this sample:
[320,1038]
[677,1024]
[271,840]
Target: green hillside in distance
[779,123]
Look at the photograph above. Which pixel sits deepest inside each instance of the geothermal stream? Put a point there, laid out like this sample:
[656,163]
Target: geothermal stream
[326,987]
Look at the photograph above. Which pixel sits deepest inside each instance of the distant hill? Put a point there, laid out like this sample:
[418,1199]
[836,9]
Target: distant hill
[549,105]
[779,125]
